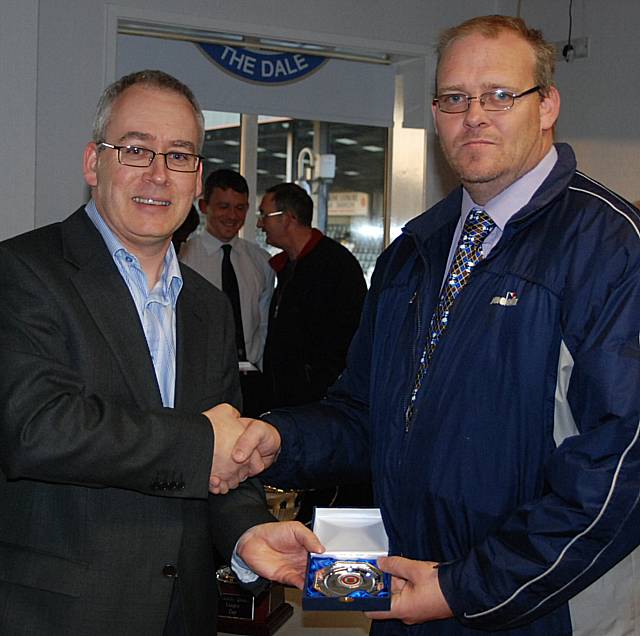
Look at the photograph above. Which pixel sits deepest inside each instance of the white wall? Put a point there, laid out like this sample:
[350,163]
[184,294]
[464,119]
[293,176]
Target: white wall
[56,57]
[601,94]
[603,128]
[18,64]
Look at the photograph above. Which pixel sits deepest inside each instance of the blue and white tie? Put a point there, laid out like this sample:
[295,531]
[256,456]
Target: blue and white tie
[477,226]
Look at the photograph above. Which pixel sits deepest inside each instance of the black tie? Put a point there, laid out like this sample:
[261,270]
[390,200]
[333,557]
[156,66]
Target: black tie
[230,288]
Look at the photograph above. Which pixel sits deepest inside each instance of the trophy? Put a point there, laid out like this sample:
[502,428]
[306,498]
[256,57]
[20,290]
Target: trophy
[239,612]
[346,576]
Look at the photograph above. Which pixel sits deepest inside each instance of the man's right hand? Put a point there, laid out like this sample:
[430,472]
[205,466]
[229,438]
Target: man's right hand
[226,473]
[260,437]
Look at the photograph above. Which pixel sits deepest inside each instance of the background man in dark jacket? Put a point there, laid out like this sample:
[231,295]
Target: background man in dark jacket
[493,383]
[315,309]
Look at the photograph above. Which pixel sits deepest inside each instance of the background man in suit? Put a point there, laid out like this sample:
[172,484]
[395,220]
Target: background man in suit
[492,386]
[225,202]
[113,360]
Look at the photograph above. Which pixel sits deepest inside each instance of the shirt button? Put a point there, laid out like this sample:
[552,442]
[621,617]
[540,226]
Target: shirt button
[170,571]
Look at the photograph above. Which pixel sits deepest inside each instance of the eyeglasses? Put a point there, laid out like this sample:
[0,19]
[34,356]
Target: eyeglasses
[495,100]
[139,157]
[263,215]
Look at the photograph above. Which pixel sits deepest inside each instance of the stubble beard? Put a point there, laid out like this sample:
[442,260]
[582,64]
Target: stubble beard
[470,169]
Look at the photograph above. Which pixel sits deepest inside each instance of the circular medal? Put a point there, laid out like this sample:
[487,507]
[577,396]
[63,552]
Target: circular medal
[344,577]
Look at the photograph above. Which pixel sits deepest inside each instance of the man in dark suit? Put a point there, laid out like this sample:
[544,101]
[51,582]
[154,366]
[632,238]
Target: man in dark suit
[113,358]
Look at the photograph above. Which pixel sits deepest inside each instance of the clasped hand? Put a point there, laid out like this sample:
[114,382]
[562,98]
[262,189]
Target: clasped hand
[242,447]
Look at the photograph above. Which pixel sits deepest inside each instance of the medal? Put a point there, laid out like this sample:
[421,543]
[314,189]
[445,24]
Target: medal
[345,577]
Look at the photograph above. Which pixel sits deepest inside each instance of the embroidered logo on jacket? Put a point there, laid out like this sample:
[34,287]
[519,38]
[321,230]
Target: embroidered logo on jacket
[510,299]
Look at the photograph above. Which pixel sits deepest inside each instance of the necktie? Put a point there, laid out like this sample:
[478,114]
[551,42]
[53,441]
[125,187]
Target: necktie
[477,226]
[230,288]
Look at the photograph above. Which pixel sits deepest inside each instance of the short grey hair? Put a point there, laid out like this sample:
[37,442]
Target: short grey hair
[153,78]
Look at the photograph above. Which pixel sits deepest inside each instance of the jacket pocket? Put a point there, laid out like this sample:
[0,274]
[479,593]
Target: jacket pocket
[26,566]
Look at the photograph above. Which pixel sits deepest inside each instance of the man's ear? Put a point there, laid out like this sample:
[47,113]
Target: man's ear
[90,164]
[549,108]
[199,180]
[434,110]
[202,206]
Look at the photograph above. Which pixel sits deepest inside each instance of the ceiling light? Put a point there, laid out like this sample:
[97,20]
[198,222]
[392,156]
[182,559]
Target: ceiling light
[345,141]
[231,142]
[351,173]
[170,32]
[373,148]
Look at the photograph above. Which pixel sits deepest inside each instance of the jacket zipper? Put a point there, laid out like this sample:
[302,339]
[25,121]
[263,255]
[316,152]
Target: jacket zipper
[408,414]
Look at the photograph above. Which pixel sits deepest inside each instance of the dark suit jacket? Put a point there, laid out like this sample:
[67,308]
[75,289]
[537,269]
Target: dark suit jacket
[101,487]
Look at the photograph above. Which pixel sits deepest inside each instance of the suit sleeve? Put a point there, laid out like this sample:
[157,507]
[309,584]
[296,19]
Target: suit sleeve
[66,417]
[234,513]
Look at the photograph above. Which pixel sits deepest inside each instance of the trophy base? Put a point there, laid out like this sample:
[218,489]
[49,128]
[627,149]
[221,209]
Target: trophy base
[239,612]
[267,627]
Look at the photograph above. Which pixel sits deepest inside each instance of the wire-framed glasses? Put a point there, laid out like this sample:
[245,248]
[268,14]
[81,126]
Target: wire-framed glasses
[495,100]
[265,215]
[139,157]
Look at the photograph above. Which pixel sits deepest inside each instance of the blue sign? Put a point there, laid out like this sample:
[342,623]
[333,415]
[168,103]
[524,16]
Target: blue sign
[264,68]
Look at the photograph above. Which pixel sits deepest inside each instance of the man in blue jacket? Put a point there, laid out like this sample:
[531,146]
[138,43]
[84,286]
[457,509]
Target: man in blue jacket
[492,387]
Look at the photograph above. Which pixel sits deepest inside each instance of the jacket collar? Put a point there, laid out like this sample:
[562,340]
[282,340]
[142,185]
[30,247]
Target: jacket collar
[447,211]
[109,302]
[191,357]
[279,261]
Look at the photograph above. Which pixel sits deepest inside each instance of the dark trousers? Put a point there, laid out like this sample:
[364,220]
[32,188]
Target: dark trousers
[175,618]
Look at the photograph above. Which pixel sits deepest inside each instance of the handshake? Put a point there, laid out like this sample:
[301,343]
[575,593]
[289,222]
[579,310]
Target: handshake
[242,447]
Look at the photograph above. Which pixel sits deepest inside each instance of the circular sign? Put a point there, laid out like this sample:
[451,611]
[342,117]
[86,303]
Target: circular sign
[263,68]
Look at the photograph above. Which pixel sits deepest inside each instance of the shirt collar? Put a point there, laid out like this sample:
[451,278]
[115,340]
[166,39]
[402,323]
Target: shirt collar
[213,244]
[506,204]
[171,277]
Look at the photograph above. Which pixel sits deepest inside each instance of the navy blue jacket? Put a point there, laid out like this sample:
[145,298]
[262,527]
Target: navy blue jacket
[520,471]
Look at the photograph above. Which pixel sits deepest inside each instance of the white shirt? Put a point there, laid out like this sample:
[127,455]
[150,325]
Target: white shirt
[203,252]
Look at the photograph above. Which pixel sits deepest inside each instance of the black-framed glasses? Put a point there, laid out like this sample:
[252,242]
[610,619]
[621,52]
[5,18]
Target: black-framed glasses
[495,100]
[264,215]
[139,157]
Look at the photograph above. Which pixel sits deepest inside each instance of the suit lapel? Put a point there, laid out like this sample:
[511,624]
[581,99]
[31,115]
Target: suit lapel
[190,355]
[109,302]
